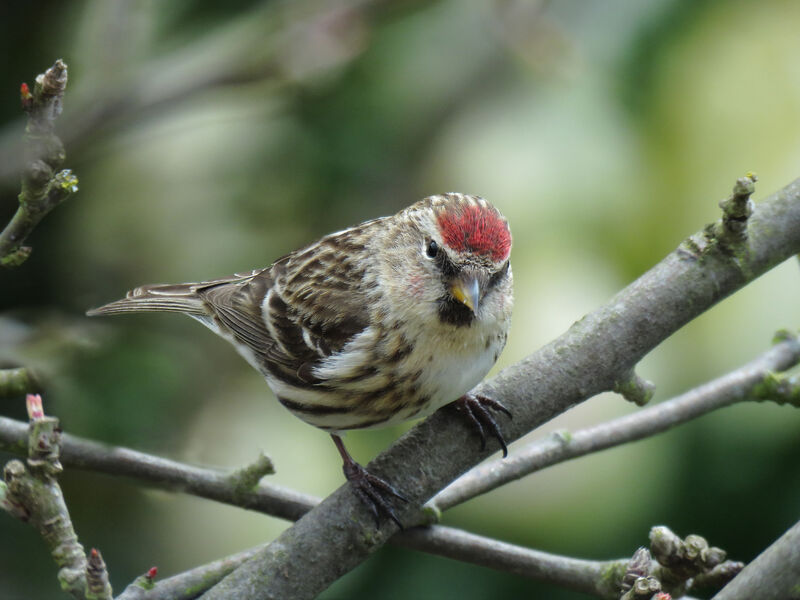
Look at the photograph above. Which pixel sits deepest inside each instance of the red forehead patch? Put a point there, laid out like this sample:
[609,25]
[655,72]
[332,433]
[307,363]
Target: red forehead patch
[476,229]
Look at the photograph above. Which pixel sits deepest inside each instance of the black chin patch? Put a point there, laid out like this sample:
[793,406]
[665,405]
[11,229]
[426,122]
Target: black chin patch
[455,313]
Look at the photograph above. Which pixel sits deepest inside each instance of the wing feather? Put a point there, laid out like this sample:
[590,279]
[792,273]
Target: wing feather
[299,311]
[291,315]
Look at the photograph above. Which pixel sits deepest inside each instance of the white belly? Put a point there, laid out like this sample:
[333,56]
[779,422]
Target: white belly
[455,375]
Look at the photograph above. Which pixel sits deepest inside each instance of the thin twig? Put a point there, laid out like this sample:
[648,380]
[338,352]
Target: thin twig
[187,585]
[598,578]
[736,386]
[17,382]
[97,584]
[43,186]
[32,494]
[214,484]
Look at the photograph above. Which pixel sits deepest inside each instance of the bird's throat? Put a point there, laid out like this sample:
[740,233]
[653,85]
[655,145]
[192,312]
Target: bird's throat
[453,312]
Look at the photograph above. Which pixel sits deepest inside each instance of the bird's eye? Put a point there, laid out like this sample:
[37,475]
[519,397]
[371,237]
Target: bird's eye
[432,250]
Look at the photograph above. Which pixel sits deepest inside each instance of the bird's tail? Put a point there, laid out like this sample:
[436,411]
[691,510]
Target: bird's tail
[181,298]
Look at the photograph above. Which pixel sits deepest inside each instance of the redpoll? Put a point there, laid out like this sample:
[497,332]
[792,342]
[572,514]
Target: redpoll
[383,322]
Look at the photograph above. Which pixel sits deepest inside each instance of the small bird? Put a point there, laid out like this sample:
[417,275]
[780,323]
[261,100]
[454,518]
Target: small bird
[373,325]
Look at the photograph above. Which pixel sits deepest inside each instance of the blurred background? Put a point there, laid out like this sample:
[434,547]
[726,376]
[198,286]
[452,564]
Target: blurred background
[214,137]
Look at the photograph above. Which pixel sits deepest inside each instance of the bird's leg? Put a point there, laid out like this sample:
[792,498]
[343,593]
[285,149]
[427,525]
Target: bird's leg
[372,490]
[476,408]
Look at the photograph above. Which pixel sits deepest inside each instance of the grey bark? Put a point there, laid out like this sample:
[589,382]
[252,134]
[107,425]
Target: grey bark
[773,575]
[733,387]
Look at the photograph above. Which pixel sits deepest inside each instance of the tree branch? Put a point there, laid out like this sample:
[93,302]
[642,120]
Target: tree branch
[237,487]
[220,486]
[187,585]
[33,495]
[277,501]
[746,383]
[267,498]
[598,578]
[17,382]
[280,502]
[773,575]
[43,188]
[166,474]
[339,534]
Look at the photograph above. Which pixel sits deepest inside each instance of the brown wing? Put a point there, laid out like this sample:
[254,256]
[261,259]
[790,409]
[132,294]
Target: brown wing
[324,288]
[291,315]
[235,307]
[169,297]
[306,306]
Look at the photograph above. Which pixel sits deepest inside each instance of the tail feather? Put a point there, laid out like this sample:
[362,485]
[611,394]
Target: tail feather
[181,298]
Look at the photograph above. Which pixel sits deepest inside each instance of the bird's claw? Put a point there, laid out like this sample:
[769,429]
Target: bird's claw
[373,492]
[476,408]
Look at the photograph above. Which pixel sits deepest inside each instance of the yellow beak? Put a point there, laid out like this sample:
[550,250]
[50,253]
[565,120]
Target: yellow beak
[466,290]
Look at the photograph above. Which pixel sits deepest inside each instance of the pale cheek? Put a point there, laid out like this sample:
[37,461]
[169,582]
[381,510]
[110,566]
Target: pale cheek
[416,287]
[508,302]
[498,305]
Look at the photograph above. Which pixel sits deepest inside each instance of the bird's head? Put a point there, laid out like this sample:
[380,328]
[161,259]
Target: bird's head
[456,258]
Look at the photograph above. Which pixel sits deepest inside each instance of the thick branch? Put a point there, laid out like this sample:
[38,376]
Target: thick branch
[734,387]
[203,482]
[599,578]
[235,488]
[277,501]
[589,358]
[773,575]
[280,502]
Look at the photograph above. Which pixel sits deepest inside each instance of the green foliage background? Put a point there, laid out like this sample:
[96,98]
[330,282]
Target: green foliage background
[605,131]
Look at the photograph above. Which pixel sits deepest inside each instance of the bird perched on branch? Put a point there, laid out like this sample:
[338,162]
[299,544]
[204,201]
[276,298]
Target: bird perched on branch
[382,322]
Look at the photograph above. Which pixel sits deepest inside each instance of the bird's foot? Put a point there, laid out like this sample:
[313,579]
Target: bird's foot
[373,491]
[476,407]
